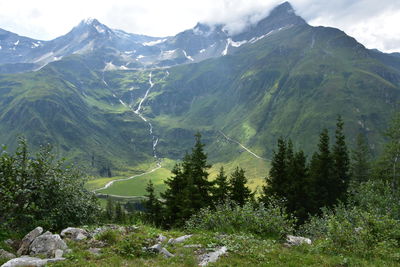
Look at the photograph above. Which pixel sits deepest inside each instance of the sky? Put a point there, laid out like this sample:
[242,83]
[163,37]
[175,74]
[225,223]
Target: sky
[374,23]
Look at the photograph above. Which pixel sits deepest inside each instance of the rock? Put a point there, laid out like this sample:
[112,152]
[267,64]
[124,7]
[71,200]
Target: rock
[6,255]
[212,257]
[9,242]
[95,251]
[161,238]
[157,248]
[297,240]
[76,234]
[192,246]
[166,253]
[47,245]
[28,239]
[29,261]
[179,239]
[58,253]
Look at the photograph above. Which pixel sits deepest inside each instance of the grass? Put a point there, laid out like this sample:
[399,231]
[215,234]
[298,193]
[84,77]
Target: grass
[137,185]
[243,250]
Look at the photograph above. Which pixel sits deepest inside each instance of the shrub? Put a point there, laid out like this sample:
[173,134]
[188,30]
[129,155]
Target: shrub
[109,236]
[352,230]
[133,245]
[41,190]
[270,221]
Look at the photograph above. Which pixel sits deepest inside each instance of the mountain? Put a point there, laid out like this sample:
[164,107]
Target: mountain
[118,99]
[131,51]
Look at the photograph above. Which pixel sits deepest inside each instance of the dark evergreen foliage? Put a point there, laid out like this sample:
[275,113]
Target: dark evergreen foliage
[239,192]
[153,205]
[221,192]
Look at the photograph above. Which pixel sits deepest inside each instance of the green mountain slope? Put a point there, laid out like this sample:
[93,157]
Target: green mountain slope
[292,82]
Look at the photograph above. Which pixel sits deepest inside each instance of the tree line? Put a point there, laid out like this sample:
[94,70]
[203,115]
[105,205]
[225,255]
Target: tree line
[304,185]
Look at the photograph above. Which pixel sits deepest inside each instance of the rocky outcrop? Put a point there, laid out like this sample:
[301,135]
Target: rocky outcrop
[76,234]
[29,261]
[47,244]
[159,249]
[6,255]
[212,256]
[292,240]
[179,239]
[28,239]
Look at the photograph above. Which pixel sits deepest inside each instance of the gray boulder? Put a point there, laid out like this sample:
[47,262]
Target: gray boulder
[292,240]
[47,245]
[76,234]
[179,239]
[6,255]
[157,248]
[161,238]
[29,261]
[28,239]
[212,256]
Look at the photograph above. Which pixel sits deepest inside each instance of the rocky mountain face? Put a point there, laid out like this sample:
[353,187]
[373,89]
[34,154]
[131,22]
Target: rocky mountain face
[121,50]
[109,98]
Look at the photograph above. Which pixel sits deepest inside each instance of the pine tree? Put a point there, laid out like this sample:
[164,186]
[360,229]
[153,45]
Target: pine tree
[173,195]
[277,180]
[341,165]
[388,165]
[198,171]
[321,174]
[119,213]
[110,209]
[221,192]
[239,192]
[153,205]
[298,195]
[360,164]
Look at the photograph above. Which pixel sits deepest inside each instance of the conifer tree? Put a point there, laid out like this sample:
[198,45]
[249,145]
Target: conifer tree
[119,213]
[173,194]
[298,194]
[360,164]
[153,205]
[321,174]
[239,192]
[110,209]
[221,192]
[277,180]
[341,165]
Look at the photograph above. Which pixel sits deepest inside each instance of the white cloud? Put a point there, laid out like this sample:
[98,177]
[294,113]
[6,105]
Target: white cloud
[374,23]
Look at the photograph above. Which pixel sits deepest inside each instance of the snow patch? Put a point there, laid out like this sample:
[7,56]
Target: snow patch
[1,47]
[152,43]
[140,56]
[16,43]
[88,21]
[188,57]
[100,29]
[202,51]
[35,45]
[130,52]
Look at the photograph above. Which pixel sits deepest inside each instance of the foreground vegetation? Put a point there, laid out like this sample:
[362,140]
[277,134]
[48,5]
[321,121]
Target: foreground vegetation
[357,224]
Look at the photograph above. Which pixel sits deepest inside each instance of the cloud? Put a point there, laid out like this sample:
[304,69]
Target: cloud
[373,23]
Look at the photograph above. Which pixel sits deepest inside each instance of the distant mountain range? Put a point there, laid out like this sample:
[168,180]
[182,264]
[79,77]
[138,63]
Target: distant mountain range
[108,98]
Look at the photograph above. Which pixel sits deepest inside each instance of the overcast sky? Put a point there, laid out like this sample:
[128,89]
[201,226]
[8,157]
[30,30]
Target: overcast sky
[374,23]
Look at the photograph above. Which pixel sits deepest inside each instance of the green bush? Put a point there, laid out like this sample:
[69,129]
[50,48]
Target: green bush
[268,221]
[133,246]
[352,230]
[109,236]
[40,190]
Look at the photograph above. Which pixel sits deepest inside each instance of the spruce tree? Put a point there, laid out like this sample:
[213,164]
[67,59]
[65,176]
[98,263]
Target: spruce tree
[119,213]
[239,192]
[221,192]
[198,171]
[298,194]
[341,165]
[360,164]
[321,174]
[110,209]
[152,205]
[277,179]
[173,195]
